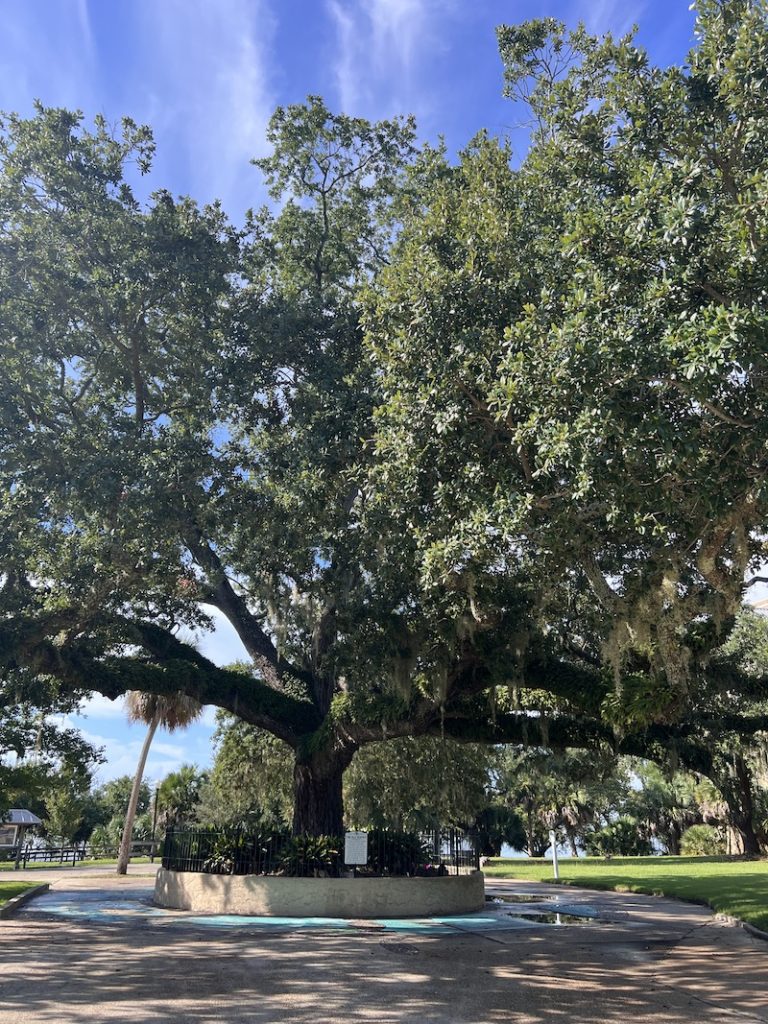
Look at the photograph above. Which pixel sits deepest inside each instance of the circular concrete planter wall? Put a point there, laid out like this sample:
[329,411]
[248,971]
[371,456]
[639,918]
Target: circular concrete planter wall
[270,896]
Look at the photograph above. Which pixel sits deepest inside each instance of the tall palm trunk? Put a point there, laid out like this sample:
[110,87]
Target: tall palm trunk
[125,844]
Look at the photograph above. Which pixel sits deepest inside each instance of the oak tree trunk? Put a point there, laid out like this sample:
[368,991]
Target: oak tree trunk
[736,785]
[741,806]
[744,826]
[318,807]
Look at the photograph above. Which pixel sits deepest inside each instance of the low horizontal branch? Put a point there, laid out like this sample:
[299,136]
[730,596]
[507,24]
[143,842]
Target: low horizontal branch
[555,733]
[172,667]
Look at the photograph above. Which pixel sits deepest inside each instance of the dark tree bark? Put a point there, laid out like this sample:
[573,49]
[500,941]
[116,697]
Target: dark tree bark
[538,850]
[318,807]
[489,846]
[572,842]
[741,806]
[536,844]
[672,839]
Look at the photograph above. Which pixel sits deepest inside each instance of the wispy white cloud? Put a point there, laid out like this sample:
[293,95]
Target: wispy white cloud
[396,25]
[208,89]
[54,62]
[616,16]
[84,21]
[198,72]
[379,53]
[121,746]
[346,70]
[123,756]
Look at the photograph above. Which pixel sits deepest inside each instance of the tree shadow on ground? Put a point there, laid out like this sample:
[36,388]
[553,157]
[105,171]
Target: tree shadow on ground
[66,972]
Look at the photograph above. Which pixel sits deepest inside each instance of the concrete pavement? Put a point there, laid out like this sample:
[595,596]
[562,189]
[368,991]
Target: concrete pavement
[644,959]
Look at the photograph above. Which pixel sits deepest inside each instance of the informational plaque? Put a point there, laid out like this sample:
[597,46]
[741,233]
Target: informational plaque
[356,848]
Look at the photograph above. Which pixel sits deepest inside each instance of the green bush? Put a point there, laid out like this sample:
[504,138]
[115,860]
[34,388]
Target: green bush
[313,856]
[104,841]
[702,841]
[395,853]
[226,853]
[236,852]
[621,838]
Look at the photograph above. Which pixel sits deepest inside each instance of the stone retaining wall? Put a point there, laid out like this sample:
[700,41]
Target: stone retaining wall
[270,896]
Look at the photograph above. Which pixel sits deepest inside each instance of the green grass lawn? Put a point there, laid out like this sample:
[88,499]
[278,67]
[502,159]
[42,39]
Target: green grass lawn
[10,889]
[735,887]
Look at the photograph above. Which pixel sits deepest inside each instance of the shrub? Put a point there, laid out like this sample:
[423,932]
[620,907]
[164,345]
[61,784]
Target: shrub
[226,854]
[620,838]
[103,841]
[703,841]
[233,851]
[394,853]
[313,856]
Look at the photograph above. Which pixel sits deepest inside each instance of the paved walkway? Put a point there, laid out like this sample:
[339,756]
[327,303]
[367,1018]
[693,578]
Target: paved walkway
[637,959]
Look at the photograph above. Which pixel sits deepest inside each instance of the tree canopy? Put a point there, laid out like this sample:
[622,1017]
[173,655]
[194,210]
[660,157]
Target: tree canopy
[38,749]
[470,448]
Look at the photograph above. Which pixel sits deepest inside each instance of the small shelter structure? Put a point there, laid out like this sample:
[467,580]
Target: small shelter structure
[13,825]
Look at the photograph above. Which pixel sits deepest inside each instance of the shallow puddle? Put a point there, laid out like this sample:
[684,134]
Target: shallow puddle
[514,897]
[553,918]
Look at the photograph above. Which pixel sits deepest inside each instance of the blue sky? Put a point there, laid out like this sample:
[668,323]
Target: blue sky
[206,75]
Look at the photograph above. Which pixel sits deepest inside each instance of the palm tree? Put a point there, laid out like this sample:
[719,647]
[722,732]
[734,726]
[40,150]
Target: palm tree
[171,711]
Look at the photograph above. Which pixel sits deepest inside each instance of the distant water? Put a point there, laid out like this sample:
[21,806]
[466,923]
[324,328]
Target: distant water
[507,851]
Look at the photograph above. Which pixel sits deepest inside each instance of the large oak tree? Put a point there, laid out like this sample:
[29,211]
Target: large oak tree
[427,431]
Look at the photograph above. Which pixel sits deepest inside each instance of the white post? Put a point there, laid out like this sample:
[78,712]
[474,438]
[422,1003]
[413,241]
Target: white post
[553,843]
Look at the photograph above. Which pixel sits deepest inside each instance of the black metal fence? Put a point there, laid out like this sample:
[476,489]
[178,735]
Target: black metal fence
[74,854]
[432,853]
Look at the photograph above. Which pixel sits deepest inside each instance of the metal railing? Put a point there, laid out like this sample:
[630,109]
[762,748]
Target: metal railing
[431,853]
[74,854]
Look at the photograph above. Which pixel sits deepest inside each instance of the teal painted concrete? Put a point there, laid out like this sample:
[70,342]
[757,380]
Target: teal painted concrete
[134,907]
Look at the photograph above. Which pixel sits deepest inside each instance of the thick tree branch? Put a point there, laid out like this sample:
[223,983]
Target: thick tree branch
[582,685]
[604,592]
[523,728]
[719,414]
[223,596]
[713,293]
[174,667]
[585,687]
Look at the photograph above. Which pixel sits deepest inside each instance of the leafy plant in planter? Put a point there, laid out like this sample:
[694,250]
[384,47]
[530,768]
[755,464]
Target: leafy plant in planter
[395,853]
[308,856]
[431,871]
[236,852]
[227,854]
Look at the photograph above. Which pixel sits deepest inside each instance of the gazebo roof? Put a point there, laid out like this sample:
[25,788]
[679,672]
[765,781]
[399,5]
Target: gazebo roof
[18,816]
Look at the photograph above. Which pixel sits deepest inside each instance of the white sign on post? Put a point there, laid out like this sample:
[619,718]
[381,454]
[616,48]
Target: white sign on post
[355,848]
[553,844]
